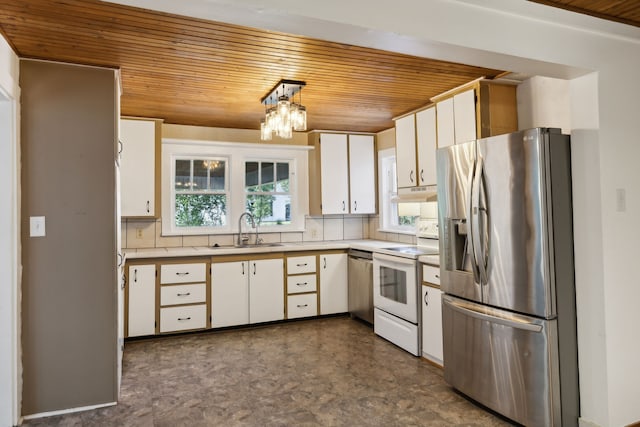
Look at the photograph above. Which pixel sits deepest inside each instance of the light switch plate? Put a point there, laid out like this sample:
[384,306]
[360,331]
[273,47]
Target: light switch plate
[36,226]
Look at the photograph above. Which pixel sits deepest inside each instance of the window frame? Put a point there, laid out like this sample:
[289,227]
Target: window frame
[237,154]
[275,191]
[388,221]
[226,192]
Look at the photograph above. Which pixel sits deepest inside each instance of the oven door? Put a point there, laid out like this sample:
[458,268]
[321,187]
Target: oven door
[395,286]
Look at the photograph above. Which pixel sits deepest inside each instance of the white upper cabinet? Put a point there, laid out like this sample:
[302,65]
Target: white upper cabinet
[334,174]
[346,183]
[139,171]
[362,178]
[406,151]
[476,110]
[445,120]
[464,116]
[426,137]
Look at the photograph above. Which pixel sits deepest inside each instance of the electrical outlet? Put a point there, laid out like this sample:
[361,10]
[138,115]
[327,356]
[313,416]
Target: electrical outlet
[138,233]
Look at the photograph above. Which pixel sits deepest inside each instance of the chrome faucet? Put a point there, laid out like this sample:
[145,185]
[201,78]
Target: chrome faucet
[244,240]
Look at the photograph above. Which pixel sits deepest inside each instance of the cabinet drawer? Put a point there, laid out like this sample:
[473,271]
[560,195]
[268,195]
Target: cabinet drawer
[183,273]
[301,264]
[431,274]
[302,306]
[303,283]
[183,318]
[183,294]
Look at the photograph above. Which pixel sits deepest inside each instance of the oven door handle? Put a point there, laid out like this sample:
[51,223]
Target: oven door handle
[390,259]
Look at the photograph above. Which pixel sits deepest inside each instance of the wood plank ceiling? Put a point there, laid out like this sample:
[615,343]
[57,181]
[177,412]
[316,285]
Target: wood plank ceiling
[623,11]
[197,72]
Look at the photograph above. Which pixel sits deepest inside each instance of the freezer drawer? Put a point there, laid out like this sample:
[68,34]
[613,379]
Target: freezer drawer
[507,362]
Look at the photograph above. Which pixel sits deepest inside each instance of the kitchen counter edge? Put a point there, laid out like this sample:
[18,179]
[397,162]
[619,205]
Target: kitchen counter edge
[195,251]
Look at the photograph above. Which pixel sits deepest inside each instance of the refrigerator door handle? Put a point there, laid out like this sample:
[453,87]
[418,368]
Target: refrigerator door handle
[483,214]
[502,319]
[474,213]
[469,243]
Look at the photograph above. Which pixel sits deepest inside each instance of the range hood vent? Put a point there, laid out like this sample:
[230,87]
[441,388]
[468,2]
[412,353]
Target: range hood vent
[425,193]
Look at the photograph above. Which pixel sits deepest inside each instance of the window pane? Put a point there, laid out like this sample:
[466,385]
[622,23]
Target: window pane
[200,210]
[200,175]
[282,175]
[267,172]
[217,175]
[270,210]
[251,176]
[183,175]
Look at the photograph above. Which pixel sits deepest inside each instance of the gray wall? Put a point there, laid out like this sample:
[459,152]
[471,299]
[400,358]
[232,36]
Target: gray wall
[69,280]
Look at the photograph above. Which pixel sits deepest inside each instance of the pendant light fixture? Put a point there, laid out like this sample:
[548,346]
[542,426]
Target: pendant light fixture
[282,115]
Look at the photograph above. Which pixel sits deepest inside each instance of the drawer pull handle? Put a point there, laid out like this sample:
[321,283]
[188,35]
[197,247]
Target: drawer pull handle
[302,284]
[301,265]
[186,294]
[184,318]
[182,274]
[303,305]
[437,276]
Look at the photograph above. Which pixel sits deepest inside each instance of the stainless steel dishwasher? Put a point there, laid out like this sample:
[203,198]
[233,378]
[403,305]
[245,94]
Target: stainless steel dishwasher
[361,284]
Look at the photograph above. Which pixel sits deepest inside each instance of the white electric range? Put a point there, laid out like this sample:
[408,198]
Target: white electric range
[396,288]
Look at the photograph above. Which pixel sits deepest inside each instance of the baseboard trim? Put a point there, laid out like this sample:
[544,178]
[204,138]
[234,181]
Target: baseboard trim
[67,411]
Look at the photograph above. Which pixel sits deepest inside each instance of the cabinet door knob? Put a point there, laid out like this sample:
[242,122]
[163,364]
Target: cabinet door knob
[148,207]
[355,205]
[411,176]
[426,298]
[421,175]
[343,206]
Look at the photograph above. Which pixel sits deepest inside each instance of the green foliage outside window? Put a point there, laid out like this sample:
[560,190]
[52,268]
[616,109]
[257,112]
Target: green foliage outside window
[198,210]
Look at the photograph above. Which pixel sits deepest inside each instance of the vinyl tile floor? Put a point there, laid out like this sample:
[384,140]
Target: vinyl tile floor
[322,372]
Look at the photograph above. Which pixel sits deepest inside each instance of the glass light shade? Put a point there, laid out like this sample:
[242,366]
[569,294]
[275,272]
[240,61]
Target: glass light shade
[265,131]
[285,132]
[284,106]
[300,122]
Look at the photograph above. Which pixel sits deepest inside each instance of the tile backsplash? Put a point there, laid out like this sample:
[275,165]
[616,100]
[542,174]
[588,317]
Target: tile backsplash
[137,234]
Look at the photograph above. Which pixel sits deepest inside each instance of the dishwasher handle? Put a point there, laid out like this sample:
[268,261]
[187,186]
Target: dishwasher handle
[360,254]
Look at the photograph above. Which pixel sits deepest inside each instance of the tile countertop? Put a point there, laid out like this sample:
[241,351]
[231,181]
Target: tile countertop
[367,245]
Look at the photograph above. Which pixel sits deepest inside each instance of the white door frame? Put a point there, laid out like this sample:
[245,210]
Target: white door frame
[10,362]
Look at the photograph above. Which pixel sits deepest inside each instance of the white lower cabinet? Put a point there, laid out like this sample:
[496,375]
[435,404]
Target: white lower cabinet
[334,293]
[141,310]
[305,305]
[244,292]
[183,318]
[432,323]
[266,290]
[183,296]
[229,294]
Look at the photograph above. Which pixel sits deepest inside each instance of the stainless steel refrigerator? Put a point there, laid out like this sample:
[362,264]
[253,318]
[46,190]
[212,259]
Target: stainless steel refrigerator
[506,249]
